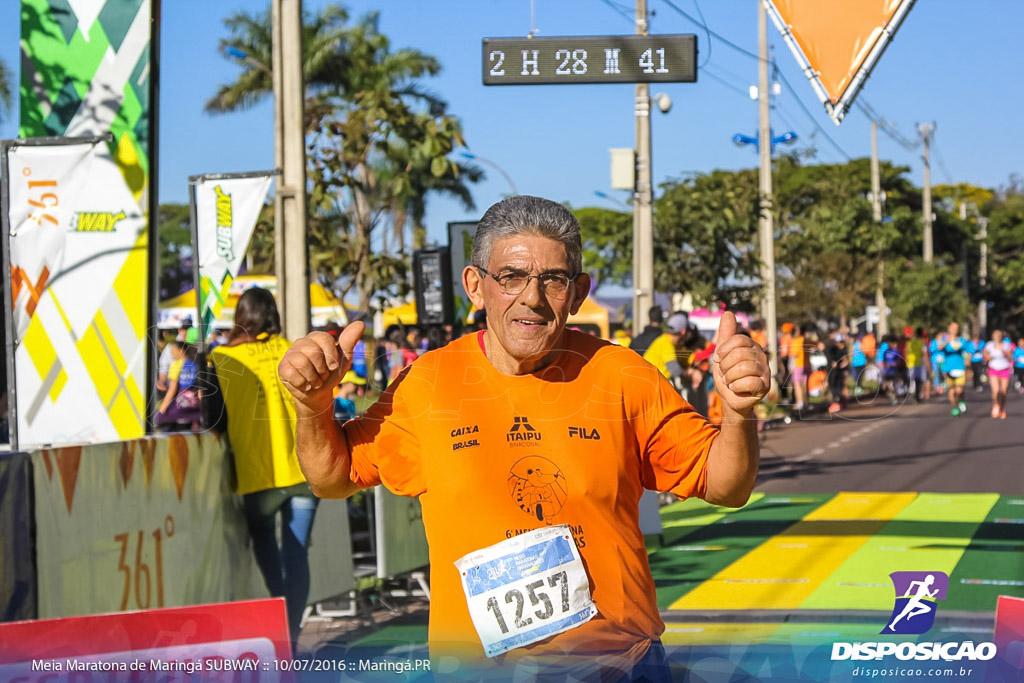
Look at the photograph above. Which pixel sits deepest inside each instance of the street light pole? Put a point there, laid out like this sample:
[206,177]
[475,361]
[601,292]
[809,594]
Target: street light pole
[488,162]
[876,215]
[643,211]
[765,223]
[926,130]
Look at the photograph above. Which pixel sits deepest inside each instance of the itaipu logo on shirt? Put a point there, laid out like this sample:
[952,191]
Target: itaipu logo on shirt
[917,596]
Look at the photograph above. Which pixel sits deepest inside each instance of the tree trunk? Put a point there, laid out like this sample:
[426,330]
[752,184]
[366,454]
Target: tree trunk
[363,226]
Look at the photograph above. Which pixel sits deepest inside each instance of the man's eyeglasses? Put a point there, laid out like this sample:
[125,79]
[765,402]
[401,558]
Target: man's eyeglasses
[554,285]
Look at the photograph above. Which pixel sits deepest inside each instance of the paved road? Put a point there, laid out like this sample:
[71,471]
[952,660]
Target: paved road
[908,447]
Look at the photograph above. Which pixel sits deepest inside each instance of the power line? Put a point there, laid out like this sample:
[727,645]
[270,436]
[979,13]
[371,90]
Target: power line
[942,164]
[811,116]
[886,127]
[709,31]
[620,10]
[707,72]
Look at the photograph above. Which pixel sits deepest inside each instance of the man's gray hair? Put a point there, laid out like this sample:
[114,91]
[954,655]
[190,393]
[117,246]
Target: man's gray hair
[523,214]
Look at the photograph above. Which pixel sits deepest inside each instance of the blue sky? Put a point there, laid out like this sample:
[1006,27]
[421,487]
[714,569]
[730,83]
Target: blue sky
[957,67]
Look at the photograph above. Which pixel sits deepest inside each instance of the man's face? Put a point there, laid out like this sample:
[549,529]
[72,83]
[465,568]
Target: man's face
[526,326]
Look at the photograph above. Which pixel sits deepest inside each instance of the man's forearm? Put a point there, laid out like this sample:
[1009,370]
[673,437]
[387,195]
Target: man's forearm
[323,454]
[732,463]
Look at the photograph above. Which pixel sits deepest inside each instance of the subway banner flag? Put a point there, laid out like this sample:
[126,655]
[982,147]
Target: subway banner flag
[226,214]
[77,249]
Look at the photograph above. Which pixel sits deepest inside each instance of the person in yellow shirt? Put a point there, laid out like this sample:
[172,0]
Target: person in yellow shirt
[664,353]
[260,424]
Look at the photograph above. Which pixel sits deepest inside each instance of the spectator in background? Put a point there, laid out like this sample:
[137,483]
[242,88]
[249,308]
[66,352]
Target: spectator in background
[664,352]
[217,338]
[869,345]
[838,361]
[380,363]
[180,408]
[800,363]
[258,415]
[652,331]
[785,371]
[758,334]
[344,406]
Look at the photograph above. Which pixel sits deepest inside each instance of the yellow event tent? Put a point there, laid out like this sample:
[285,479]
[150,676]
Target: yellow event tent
[591,316]
[324,306]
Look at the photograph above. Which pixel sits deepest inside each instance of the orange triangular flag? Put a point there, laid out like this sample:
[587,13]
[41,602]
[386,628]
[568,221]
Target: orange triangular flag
[178,453]
[837,42]
[68,461]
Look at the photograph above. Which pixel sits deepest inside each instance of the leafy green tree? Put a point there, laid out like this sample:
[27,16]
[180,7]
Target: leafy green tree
[607,243]
[705,235]
[175,247]
[927,294]
[1006,256]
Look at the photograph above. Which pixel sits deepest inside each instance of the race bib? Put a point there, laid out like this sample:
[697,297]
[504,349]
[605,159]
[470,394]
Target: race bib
[526,588]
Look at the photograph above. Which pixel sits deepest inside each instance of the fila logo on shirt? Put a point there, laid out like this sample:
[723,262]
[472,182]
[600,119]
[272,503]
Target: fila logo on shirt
[584,433]
[522,432]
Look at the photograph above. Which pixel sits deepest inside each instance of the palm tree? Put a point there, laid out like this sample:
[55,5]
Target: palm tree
[5,90]
[378,142]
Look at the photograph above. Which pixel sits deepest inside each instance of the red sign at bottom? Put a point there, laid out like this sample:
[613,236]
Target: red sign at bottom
[233,641]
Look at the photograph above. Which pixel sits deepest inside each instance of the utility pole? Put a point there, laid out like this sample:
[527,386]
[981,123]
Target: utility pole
[876,215]
[983,276]
[293,282]
[275,62]
[765,223]
[927,130]
[643,211]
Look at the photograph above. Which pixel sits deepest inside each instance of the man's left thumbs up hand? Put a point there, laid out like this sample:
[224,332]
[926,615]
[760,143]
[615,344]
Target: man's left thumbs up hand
[740,368]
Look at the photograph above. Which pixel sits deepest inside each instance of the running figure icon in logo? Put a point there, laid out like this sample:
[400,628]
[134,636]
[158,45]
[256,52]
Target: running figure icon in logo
[916,596]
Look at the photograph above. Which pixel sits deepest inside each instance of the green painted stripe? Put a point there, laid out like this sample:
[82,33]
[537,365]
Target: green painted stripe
[994,556]
[929,534]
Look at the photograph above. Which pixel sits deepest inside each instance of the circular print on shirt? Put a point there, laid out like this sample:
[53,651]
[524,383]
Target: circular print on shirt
[537,486]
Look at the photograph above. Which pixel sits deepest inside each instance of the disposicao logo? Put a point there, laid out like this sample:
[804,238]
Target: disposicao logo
[917,594]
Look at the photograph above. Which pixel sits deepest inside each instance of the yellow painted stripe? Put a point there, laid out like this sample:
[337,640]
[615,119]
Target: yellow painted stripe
[784,570]
[863,581]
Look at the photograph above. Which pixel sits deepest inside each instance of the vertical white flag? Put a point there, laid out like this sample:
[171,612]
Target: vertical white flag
[226,214]
[79,285]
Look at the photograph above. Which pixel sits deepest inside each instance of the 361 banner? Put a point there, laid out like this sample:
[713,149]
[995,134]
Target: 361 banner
[76,250]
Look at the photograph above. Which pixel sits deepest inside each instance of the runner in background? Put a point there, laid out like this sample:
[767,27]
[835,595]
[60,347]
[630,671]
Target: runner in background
[858,362]
[976,348]
[1018,365]
[937,358]
[954,368]
[917,362]
[869,346]
[998,354]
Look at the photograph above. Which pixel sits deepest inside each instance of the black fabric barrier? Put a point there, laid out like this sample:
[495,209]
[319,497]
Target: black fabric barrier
[17,544]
